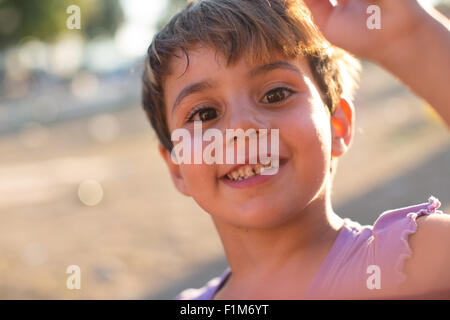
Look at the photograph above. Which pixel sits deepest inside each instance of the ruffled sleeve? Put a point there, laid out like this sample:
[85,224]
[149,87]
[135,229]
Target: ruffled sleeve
[206,292]
[390,239]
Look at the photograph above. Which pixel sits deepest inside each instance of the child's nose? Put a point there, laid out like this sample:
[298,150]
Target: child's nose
[250,120]
[246,116]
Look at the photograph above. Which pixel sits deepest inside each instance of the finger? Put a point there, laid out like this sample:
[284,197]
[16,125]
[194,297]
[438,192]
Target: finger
[320,9]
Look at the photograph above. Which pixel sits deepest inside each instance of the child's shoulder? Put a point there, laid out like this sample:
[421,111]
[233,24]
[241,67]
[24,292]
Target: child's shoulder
[406,220]
[420,245]
[397,245]
[427,268]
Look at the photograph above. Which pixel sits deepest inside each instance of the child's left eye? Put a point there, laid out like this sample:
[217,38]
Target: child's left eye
[277,95]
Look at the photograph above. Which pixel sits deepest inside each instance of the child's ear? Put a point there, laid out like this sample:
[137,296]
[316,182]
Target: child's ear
[342,123]
[174,169]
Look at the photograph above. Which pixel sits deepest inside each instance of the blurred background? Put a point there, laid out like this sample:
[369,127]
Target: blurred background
[82,183]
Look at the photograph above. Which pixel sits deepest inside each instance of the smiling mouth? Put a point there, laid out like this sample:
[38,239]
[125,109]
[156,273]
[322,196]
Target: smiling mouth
[247,171]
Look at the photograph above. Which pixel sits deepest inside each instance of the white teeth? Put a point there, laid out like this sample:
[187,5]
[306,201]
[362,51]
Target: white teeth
[247,171]
[234,175]
[264,169]
[241,171]
[269,167]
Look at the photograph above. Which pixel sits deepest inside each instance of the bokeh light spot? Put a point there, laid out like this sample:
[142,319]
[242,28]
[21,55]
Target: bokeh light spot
[90,192]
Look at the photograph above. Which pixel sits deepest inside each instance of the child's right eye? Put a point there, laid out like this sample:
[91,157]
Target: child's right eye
[202,114]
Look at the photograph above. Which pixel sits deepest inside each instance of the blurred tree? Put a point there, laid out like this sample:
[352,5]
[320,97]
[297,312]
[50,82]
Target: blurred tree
[46,19]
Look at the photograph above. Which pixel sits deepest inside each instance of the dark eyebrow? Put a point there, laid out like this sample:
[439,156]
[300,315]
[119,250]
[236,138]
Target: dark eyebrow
[191,89]
[272,66]
[208,84]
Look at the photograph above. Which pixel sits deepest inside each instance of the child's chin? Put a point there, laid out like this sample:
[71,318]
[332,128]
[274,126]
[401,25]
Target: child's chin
[261,216]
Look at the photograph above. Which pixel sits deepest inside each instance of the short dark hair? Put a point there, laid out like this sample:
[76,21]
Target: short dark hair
[251,28]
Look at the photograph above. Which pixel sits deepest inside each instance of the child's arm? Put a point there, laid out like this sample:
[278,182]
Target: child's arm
[413,43]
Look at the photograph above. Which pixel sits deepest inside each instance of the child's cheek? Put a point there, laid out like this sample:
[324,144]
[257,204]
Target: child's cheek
[308,137]
[321,129]
[199,176]
[307,123]
[306,133]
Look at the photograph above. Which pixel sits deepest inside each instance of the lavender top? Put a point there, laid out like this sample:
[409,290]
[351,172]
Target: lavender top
[344,269]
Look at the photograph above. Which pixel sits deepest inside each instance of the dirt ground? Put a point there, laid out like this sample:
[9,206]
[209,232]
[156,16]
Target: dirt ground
[143,239]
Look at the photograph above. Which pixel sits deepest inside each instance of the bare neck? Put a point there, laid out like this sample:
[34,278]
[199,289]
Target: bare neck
[258,254]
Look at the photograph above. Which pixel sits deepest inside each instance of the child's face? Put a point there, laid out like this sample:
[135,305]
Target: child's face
[246,96]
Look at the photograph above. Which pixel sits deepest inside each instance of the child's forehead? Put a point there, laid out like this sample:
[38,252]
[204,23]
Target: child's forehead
[201,60]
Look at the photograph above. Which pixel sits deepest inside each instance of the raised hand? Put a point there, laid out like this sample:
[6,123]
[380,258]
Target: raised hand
[413,43]
[346,25]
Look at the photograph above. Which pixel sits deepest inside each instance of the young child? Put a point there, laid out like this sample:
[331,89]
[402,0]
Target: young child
[264,64]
